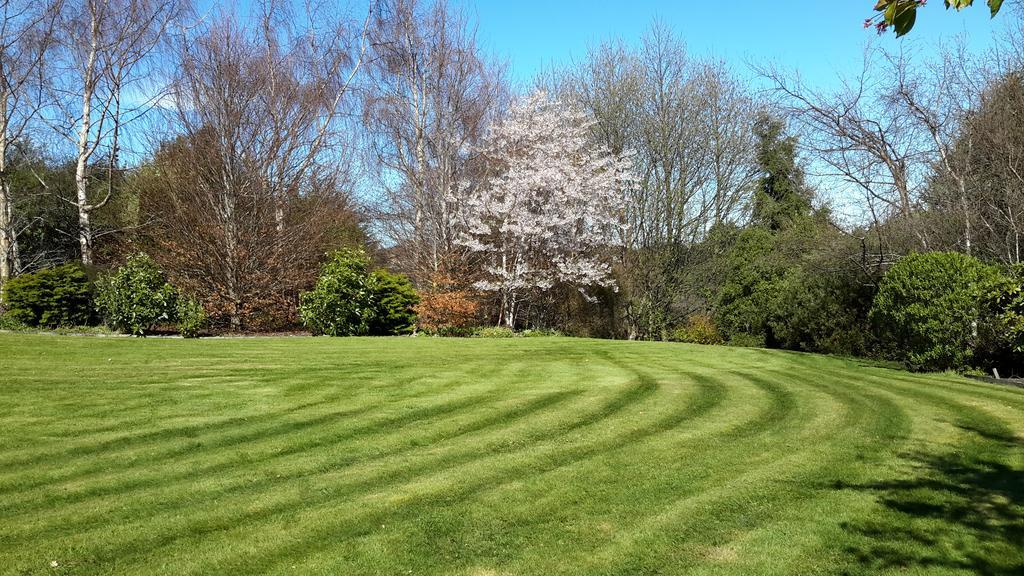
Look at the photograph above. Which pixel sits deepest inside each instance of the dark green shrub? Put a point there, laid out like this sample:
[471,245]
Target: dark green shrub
[1008,301]
[396,302]
[136,296]
[750,286]
[928,309]
[1001,342]
[191,316]
[744,340]
[54,297]
[822,311]
[349,300]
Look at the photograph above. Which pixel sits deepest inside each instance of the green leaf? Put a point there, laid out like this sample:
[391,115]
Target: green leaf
[904,20]
[994,6]
[890,12]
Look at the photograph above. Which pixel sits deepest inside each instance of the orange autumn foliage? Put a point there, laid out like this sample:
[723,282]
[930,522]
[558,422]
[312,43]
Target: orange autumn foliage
[447,305]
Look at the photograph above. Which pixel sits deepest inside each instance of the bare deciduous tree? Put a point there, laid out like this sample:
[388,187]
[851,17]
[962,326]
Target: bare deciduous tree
[252,190]
[858,135]
[979,180]
[102,84]
[430,95]
[687,124]
[937,97]
[26,37]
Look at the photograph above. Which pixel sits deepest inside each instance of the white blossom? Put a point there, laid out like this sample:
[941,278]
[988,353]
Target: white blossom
[552,208]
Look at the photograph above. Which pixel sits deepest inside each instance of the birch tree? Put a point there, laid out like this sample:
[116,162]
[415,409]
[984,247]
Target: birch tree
[551,210]
[26,37]
[430,94]
[103,82]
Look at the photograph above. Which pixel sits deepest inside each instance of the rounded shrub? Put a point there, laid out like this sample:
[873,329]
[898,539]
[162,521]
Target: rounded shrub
[191,317]
[928,308]
[136,296]
[396,301]
[341,303]
[1002,341]
[54,297]
[1007,299]
[350,300]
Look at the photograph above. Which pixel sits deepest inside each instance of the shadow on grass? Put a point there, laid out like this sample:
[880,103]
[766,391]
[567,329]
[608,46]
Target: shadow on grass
[962,512]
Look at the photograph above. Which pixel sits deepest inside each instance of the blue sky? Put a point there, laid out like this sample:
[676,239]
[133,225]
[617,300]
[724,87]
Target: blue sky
[820,37]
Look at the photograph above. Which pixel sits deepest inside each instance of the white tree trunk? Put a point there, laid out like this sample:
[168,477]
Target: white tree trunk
[8,239]
[8,236]
[84,220]
[85,147]
[509,306]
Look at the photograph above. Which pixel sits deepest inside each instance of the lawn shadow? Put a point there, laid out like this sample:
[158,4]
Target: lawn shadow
[961,511]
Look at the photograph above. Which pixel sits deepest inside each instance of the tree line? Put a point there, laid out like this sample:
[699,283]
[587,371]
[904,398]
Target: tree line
[269,158]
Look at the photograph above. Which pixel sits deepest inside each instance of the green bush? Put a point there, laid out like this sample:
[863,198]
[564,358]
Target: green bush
[341,303]
[818,311]
[494,332]
[699,329]
[751,285]
[396,302]
[1007,300]
[9,323]
[136,296]
[54,297]
[349,300]
[927,312]
[744,340]
[191,316]
[1001,342]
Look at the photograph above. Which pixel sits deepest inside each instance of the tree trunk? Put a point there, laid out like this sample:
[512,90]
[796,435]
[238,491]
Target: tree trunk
[966,206]
[8,238]
[84,219]
[509,305]
[231,259]
[85,148]
[84,231]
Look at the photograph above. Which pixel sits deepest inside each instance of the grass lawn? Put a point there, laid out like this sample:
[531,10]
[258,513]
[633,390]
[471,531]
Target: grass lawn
[496,457]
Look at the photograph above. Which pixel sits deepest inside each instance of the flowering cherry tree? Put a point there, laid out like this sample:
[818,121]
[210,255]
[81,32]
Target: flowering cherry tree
[552,208]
